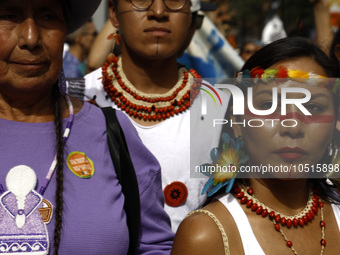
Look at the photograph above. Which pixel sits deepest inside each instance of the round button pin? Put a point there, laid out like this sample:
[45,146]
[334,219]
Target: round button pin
[175,194]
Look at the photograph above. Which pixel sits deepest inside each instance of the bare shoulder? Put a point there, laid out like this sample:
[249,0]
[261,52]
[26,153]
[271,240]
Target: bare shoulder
[229,226]
[198,234]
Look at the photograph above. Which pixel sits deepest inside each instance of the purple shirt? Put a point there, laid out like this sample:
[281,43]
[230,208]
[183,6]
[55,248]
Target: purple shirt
[94,221]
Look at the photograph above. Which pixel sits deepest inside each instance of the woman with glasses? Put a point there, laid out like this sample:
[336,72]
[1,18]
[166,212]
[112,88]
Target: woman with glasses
[146,82]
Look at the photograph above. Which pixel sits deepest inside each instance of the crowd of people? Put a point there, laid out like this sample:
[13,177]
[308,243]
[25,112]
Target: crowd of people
[127,158]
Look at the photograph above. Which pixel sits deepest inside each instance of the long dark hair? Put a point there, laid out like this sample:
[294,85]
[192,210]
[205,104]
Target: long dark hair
[334,59]
[56,97]
[56,101]
[289,48]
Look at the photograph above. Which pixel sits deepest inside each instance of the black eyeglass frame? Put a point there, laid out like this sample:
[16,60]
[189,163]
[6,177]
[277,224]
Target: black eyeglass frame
[164,2]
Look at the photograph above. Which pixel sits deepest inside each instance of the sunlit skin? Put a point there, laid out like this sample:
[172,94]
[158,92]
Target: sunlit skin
[304,144]
[157,32]
[151,47]
[32,34]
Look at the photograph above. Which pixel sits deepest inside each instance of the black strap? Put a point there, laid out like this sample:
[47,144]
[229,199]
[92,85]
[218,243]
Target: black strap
[126,175]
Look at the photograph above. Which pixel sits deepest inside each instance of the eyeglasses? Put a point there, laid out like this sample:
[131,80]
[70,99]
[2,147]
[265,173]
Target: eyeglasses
[172,5]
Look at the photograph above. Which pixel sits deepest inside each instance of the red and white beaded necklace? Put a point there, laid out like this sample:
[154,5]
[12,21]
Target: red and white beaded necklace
[151,107]
[301,219]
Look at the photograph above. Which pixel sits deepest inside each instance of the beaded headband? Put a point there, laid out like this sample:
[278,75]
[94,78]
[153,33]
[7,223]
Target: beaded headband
[258,74]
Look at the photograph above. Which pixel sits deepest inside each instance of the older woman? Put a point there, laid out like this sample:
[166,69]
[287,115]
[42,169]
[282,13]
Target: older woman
[80,208]
[290,210]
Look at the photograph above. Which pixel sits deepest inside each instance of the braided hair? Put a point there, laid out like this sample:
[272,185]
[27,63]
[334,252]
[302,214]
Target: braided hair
[59,167]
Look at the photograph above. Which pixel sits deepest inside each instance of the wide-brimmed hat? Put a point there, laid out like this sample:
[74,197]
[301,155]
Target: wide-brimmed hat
[78,12]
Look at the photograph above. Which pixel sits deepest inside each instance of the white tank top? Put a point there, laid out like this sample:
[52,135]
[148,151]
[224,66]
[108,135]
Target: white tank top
[250,244]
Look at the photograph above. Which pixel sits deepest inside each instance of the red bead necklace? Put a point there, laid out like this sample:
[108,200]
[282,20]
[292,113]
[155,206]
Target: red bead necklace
[303,218]
[151,107]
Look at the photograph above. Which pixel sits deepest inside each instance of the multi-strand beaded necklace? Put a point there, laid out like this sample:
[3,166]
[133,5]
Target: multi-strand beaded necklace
[149,107]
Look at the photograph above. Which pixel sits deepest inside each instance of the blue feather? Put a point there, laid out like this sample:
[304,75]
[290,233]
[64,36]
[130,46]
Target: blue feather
[207,185]
[230,185]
